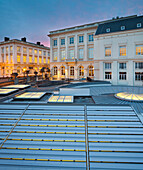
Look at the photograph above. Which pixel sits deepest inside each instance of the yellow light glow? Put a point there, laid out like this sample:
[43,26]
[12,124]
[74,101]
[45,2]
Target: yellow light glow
[16,86]
[61,99]
[129,96]
[7,91]
[31,95]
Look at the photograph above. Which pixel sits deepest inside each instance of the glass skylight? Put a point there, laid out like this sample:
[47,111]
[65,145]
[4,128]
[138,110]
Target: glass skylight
[31,95]
[7,91]
[61,99]
[16,86]
[129,96]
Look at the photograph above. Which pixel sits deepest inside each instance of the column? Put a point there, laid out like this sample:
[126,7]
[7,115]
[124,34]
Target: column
[58,52]
[130,73]
[75,72]
[76,47]
[66,49]
[85,47]
[85,73]
[115,72]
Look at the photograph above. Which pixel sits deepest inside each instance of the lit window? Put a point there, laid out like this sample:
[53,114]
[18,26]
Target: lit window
[6,49]
[30,51]
[122,27]
[18,58]
[81,53]
[35,59]
[44,60]
[71,54]
[122,75]
[11,48]
[55,71]
[48,60]
[122,50]
[139,76]
[122,65]
[81,39]
[107,65]
[139,25]
[107,51]
[62,41]
[40,60]
[71,40]
[40,52]
[24,50]
[35,51]
[90,53]
[18,49]
[91,71]
[24,59]
[30,59]
[55,42]
[108,75]
[11,58]
[81,71]
[90,37]
[139,65]
[55,55]
[63,55]
[7,59]
[2,49]
[108,30]
[71,71]
[62,70]
[139,49]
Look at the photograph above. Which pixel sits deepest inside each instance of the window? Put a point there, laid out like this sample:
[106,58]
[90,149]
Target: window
[81,53]
[55,55]
[44,60]
[55,71]
[122,65]
[107,51]
[62,70]
[62,41]
[108,30]
[91,71]
[139,76]
[35,59]
[139,65]
[71,40]
[18,70]
[71,54]
[2,49]
[90,53]
[11,48]
[90,37]
[48,60]
[30,59]
[71,71]
[122,75]
[107,65]
[40,52]
[44,53]
[30,51]
[81,39]
[139,25]
[18,58]
[35,51]
[108,75]
[81,71]
[55,42]
[122,27]
[6,49]
[63,55]
[24,50]
[7,59]
[24,59]
[139,49]
[122,50]
[11,58]
[18,49]
[40,60]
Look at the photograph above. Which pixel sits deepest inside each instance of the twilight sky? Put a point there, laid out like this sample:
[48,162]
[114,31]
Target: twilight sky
[34,19]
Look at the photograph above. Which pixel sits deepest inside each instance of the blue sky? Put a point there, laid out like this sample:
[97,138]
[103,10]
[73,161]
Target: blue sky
[35,18]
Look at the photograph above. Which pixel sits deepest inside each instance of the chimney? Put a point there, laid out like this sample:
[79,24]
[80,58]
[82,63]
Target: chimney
[6,39]
[23,39]
[38,43]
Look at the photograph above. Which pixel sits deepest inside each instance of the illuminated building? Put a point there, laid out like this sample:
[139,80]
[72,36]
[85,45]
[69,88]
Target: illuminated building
[20,55]
[109,50]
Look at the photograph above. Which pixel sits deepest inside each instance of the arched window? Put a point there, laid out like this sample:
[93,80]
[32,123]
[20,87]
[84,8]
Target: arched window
[81,71]
[18,70]
[72,71]
[62,70]
[91,71]
[55,71]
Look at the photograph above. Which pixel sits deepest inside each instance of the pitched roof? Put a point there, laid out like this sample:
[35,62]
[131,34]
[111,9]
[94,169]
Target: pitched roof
[115,25]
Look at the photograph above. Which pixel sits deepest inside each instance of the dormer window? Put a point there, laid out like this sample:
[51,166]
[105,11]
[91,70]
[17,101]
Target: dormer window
[108,30]
[139,25]
[122,27]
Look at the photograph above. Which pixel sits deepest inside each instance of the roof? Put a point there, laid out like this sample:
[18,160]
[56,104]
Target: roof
[25,43]
[130,23]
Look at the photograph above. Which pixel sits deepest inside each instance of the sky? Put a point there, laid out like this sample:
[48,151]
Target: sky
[34,19]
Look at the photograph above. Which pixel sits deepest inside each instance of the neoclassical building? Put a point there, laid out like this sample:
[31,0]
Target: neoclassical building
[20,55]
[109,50]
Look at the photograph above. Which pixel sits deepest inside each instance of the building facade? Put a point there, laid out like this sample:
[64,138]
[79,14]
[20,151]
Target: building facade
[19,56]
[110,50]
